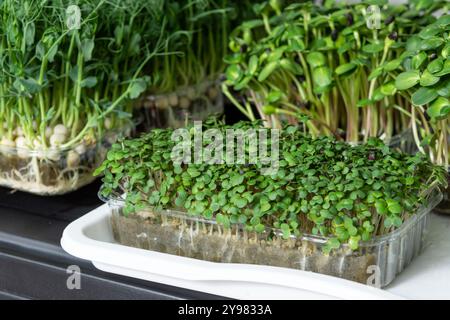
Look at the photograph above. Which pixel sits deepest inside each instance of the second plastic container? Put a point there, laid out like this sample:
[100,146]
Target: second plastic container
[188,103]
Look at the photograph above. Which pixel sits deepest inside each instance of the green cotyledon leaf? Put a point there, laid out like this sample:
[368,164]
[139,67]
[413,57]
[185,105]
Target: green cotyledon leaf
[407,79]
[424,96]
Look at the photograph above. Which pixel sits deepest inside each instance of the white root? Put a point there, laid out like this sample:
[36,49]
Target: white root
[19,182]
[29,178]
[37,172]
[40,171]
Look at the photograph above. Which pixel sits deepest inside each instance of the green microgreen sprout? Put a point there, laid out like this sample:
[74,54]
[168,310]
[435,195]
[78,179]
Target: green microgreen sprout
[325,67]
[424,77]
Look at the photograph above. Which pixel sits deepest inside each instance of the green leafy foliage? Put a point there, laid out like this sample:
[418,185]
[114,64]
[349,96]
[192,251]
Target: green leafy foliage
[197,35]
[323,186]
[337,75]
[424,77]
[52,75]
[429,67]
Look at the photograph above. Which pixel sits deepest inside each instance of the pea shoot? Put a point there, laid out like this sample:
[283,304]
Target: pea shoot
[186,77]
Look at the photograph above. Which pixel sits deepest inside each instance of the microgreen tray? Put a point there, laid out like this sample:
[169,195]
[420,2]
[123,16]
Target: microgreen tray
[187,103]
[376,262]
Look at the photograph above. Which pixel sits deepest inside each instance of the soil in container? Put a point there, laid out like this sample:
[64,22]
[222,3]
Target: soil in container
[208,241]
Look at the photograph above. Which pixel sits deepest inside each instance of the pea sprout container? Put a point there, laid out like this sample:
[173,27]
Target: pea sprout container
[55,170]
[376,262]
[187,103]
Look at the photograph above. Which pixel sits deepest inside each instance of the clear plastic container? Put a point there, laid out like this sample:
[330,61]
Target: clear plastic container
[54,171]
[444,206]
[186,104]
[376,262]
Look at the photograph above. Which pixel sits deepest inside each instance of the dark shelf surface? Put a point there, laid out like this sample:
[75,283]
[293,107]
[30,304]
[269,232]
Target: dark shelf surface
[34,266]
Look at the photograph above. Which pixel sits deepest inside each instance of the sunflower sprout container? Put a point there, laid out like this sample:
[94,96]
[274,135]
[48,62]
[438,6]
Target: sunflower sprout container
[186,104]
[177,233]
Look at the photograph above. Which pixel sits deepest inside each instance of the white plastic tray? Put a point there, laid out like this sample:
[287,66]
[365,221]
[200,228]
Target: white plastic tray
[90,238]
